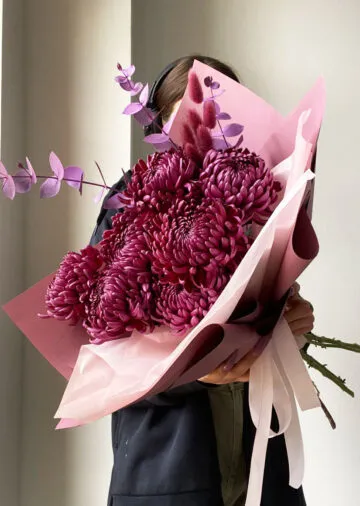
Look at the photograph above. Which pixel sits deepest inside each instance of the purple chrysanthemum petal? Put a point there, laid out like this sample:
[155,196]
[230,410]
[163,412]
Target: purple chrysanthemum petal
[179,309]
[193,238]
[69,291]
[240,178]
[157,181]
[122,300]
[126,227]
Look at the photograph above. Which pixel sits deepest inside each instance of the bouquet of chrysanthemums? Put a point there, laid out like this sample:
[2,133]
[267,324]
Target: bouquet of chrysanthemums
[186,224]
[212,231]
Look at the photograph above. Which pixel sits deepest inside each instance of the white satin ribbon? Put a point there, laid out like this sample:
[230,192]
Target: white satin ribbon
[276,379]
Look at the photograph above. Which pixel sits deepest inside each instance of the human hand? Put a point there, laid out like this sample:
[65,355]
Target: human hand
[234,371]
[299,315]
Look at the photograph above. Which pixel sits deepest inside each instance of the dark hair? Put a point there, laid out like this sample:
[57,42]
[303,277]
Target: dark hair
[173,86]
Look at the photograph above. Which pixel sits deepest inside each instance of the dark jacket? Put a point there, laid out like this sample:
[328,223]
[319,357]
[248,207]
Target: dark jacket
[165,447]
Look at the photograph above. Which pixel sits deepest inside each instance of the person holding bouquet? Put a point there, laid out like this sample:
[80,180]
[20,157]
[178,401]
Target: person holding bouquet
[192,445]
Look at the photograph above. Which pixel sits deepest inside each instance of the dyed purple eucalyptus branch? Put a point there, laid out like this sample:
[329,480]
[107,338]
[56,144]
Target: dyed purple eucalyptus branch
[230,130]
[26,178]
[143,114]
[218,121]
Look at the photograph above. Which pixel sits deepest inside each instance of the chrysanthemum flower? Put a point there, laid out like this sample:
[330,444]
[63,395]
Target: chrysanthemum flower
[69,291]
[240,178]
[127,227]
[121,302]
[179,309]
[193,240]
[157,181]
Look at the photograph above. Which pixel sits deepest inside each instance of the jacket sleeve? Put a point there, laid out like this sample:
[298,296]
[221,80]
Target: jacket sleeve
[103,223]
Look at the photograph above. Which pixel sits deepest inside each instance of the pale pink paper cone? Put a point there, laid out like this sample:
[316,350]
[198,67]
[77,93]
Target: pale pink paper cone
[302,248]
[280,143]
[259,117]
[266,131]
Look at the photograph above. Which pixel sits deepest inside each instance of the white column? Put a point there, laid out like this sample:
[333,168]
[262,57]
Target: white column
[73,106]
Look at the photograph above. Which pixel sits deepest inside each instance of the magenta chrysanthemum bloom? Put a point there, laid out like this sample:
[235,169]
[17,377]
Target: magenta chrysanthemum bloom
[192,241]
[217,280]
[122,300]
[70,289]
[157,181]
[240,178]
[179,309]
[126,227]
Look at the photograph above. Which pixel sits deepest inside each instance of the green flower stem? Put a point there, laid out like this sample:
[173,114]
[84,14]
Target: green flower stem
[326,342]
[315,364]
[325,409]
[328,414]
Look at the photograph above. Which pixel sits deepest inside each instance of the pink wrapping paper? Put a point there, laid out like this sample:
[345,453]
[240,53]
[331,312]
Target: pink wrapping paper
[105,378]
[266,130]
[59,344]
[115,374]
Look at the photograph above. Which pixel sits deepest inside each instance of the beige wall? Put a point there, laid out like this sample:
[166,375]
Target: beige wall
[11,253]
[280,48]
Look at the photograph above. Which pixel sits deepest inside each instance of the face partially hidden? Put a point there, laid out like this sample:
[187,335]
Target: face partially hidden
[174,110]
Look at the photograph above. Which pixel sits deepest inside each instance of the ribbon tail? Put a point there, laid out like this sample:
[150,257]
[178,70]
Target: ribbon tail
[261,400]
[294,367]
[295,449]
[281,400]
[293,437]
